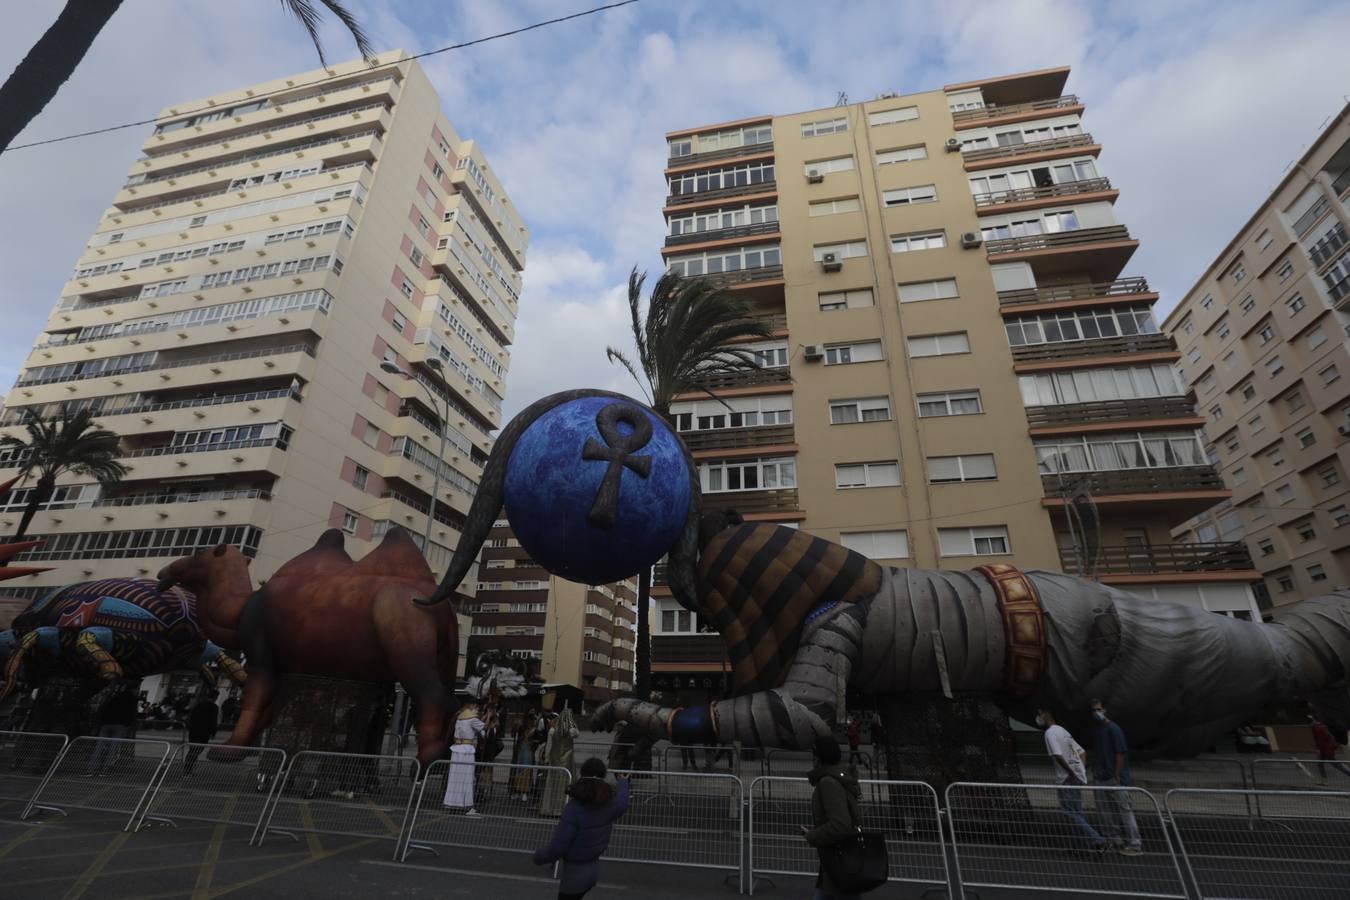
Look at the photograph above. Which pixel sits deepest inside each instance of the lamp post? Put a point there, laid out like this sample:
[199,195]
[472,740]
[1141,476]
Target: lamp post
[434,364]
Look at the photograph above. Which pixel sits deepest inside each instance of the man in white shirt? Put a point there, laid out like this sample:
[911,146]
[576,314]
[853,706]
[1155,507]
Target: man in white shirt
[1070,771]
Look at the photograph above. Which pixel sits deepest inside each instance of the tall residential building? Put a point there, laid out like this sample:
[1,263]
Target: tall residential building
[230,317]
[1264,333]
[957,354]
[579,634]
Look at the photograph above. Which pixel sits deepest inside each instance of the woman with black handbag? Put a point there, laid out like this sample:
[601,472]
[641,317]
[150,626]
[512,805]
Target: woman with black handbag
[851,861]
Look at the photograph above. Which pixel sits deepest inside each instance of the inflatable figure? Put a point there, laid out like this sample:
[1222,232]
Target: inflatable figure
[324,614]
[806,620]
[111,629]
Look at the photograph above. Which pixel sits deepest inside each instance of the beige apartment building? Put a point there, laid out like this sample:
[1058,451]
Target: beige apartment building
[961,372]
[576,634]
[1264,338]
[297,312]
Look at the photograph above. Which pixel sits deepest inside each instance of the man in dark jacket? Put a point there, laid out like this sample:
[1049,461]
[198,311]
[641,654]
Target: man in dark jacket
[835,810]
[116,719]
[202,722]
[1111,768]
[582,834]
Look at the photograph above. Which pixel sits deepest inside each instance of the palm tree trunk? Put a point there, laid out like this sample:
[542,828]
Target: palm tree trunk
[642,657]
[42,492]
[51,62]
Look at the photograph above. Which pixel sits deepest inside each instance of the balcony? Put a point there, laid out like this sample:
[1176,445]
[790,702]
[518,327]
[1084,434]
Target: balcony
[721,381]
[732,438]
[698,237]
[1053,148]
[1328,248]
[1305,222]
[719,155]
[1087,294]
[1029,198]
[162,499]
[1168,559]
[1172,479]
[740,190]
[763,503]
[1114,346]
[1081,416]
[1100,253]
[744,277]
[1016,112]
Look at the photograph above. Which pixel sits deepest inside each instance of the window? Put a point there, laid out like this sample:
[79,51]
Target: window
[903,154]
[949,403]
[939,344]
[436,170]
[874,474]
[1295,304]
[1256,509]
[1306,531]
[1256,424]
[827,166]
[1193,354]
[406,287]
[1285,583]
[1223,331]
[853,299]
[916,291]
[1328,476]
[1316,572]
[1229,360]
[677,621]
[824,126]
[877,544]
[1316,337]
[1207,302]
[1248,391]
[891,116]
[1266,546]
[1330,374]
[1263,239]
[1105,383]
[1294,401]
[1188,326]
[832,207]
[1285,494]
[1079,325]
[359,477]
[1238,476]
[371,437]
[1274,456]
[1274,366]
[1285,271]
[416,256]
[730,260]
[1339,515]
[987,541]
[970,467]
[685,183]
[1265,334]
[1305,437]
[1216,412]
[399,323]
[845,354]
[350,521]
[923,193]
[925,240]
[867,409]
[1247,304]
[1120,451]
[1238,273]
[747,475]
[845,250]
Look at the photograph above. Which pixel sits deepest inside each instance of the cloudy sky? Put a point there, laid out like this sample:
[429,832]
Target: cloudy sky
[1201,108]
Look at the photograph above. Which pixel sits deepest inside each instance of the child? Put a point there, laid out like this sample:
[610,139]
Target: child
[582,834]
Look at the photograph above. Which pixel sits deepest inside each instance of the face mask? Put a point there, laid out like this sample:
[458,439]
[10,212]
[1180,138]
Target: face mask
[1099,715]
[1040,721]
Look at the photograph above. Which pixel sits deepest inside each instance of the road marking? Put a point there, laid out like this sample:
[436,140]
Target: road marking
[141,870]
[229,889]
[208,870]
[533,879]
[87,878]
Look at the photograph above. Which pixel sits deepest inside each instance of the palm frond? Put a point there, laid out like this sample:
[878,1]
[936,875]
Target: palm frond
[310,18]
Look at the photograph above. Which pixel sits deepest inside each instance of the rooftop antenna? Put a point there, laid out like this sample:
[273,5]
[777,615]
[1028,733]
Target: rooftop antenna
[841,100]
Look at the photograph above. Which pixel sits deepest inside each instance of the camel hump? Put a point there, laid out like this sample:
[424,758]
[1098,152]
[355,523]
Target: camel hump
[398,554]
[326,557]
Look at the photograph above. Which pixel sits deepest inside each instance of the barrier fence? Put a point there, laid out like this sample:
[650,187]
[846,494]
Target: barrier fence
[1156,775]
[102,774]
[1299,847]
[349,794]
[214,783]
[904,812]
[25,759]
[1272,773]
[1052,838]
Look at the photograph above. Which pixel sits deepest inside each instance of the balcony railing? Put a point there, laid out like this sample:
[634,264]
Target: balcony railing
[727,438]
[740,190]
[1068,189]
[744,378]
[444,514]
[1057,240]
[1136,481]
[1030,147]
[1305,222]
[696,237]
[1326,249]
[781,500]
[130,207]
[1111,411]
[198,497]
[1115,346]
[308,348]
[745,276]
[176,449]
[19,415]
[1013,109]
[724,153]
[1160,560]
[1059,294]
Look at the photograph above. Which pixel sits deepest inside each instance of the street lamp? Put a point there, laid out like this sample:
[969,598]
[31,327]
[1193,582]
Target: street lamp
[434,364]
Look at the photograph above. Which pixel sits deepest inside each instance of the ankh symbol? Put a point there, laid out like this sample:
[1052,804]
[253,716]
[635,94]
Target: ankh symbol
[617,451]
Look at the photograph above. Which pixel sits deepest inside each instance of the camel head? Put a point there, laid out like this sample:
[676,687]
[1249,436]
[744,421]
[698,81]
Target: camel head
[205,569]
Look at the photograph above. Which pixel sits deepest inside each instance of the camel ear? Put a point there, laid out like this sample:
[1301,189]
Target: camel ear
[220,549]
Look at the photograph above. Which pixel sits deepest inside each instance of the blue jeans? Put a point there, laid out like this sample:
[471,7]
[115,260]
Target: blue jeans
[1071,803]
[107,752]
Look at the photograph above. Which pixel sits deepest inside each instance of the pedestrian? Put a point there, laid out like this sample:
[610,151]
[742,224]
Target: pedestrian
[1111,767]
[459,784]
[116,720]
[835,810]
[854,741]
[582,834]
[1327,747]
[202,722]
[878,735]
[1067,757]
[558,754]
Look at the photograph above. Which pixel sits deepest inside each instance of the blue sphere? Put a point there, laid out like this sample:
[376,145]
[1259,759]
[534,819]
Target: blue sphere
[551,490]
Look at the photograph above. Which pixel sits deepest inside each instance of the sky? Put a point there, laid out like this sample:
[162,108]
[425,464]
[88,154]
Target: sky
[1201,108]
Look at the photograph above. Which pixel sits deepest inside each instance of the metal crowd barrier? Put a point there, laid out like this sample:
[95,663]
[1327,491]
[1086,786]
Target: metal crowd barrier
[905,812]
[1298,848]
[1041,838]
[676,757]
[1157,775]
[214,783]
[25,759]
[103,774]
[1273,773]
[351,794]
[797,763]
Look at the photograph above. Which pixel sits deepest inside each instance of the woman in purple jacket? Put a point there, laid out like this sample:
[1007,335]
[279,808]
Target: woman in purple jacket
[582,835]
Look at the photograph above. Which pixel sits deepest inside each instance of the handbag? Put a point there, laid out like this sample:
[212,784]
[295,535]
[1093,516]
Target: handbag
[858,863]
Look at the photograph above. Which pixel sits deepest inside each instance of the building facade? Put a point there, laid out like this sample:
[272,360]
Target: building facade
[570,633]
[961,373]
[1264,338]
[297,313]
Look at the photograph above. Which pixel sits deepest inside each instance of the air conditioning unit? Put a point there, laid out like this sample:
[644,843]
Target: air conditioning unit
[971,239]
[953,144]
[813,351]
[814,176]
[887,95]
[830,262]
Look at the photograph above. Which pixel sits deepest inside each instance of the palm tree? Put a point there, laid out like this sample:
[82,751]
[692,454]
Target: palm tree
[681,339]
[53,59]
[70,443]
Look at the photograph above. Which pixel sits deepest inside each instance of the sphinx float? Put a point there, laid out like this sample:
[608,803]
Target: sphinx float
[806,620]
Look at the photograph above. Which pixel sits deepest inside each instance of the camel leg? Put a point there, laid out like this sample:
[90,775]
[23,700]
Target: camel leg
[408,635]
[260,690]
